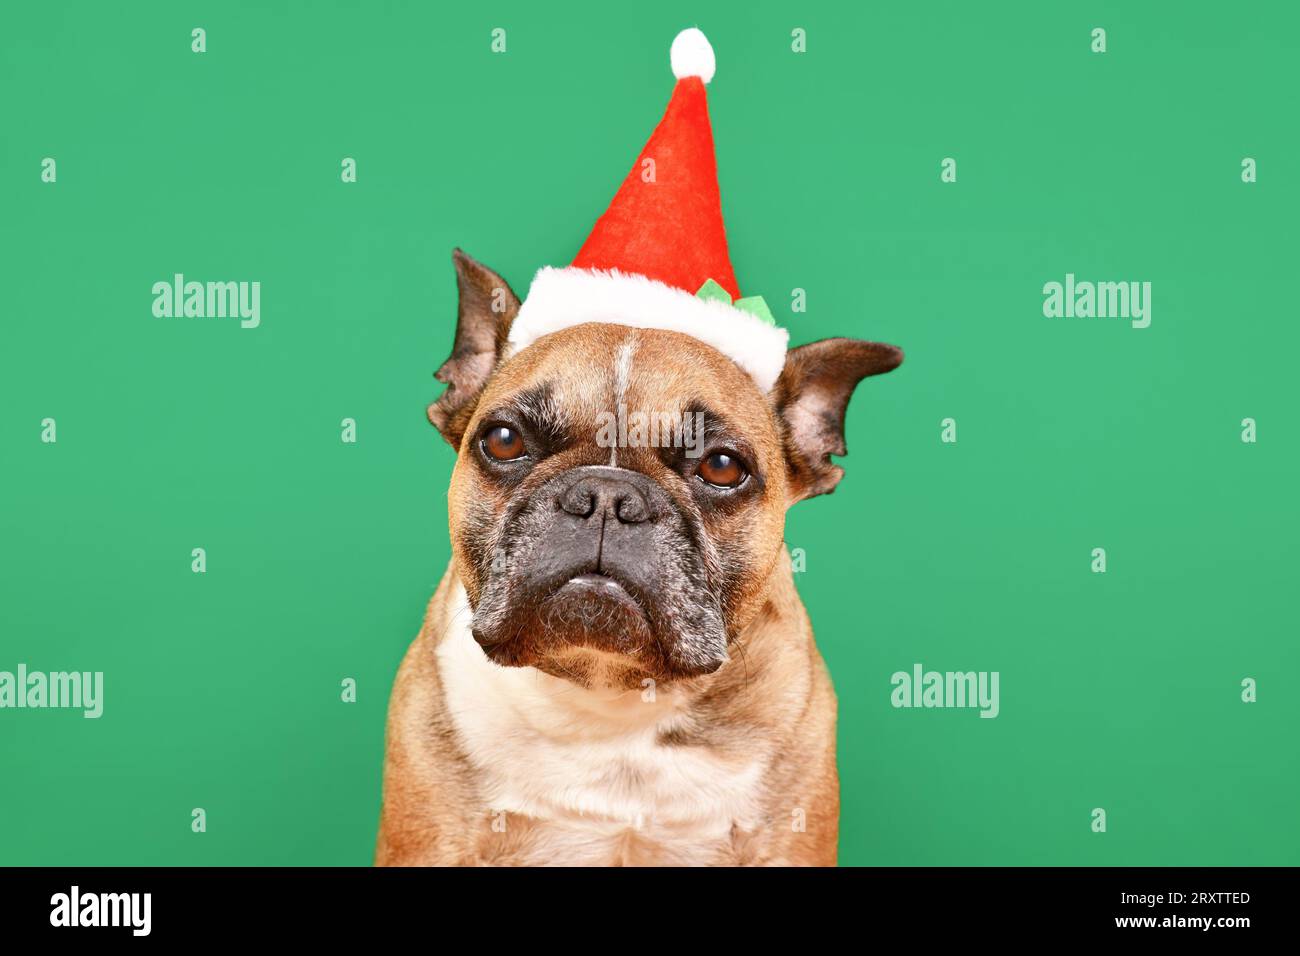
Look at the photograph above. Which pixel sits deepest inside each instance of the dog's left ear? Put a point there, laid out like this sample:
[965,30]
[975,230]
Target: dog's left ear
[487,307]
[811,397]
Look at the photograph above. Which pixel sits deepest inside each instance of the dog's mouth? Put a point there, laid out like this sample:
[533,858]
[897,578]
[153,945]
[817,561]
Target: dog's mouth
[597,610]
[594,586]
[582,621]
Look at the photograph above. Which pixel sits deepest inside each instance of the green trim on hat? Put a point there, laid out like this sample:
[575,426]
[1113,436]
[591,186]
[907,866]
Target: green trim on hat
[712,292]
[753,304]
[756,306]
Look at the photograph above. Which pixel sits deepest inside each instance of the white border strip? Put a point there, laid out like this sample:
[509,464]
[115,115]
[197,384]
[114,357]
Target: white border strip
[562,298]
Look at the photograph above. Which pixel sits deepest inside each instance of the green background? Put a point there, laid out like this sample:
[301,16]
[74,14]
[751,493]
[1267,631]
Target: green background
[1118,690]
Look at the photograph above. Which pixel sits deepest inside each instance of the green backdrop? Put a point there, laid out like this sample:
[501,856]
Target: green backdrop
[1120,691]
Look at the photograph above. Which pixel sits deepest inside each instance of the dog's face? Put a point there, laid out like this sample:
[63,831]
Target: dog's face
[619,498]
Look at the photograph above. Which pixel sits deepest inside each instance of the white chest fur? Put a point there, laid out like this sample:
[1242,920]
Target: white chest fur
[588,760]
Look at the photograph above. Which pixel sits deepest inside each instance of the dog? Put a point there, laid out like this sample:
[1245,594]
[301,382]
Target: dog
[616,668]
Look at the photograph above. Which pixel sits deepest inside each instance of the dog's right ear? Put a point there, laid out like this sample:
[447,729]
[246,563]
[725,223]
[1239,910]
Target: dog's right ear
[812,396]
[487,307]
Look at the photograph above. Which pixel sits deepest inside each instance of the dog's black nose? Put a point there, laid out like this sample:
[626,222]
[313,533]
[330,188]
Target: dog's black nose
[606,494]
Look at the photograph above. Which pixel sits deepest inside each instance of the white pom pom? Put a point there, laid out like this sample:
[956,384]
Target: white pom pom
[691,55]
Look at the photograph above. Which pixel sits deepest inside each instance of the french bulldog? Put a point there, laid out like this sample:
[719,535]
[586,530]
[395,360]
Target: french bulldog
[616,668]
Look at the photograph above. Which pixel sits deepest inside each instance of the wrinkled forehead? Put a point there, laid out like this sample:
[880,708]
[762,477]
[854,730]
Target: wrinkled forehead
[580,373]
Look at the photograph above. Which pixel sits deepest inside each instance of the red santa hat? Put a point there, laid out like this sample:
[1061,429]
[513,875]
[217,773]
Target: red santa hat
[657,258]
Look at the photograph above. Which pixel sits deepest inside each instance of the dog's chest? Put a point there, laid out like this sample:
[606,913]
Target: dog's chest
[575,776]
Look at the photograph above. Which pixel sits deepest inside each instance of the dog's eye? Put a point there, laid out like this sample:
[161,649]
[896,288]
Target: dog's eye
[503,443]
[722,469]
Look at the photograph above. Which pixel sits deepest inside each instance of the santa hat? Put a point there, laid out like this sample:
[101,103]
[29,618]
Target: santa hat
[657,258]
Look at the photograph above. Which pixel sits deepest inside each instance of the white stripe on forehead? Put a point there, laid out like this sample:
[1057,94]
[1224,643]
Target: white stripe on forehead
[622,372]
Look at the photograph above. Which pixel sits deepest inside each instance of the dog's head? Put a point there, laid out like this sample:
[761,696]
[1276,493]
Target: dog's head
[619,498]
